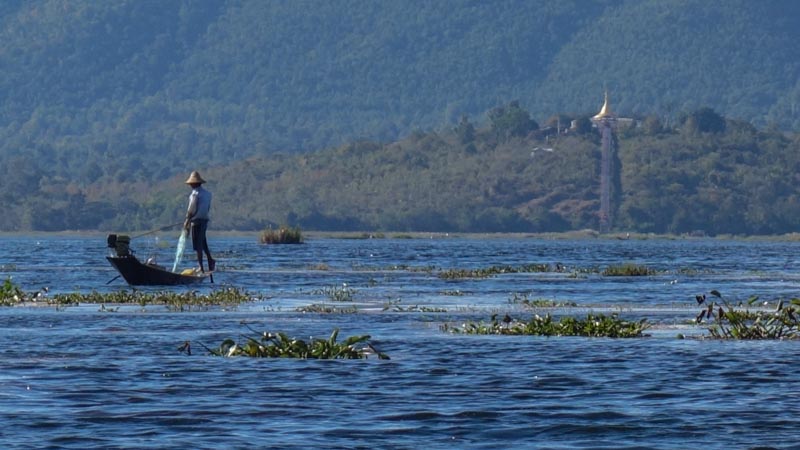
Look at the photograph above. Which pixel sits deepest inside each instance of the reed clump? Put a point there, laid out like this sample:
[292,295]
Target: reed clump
[593,326]
[283,235]
[728,322]
[279,345]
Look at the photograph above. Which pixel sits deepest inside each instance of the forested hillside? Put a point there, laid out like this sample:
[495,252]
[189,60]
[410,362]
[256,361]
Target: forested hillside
[709,175]
[102,101]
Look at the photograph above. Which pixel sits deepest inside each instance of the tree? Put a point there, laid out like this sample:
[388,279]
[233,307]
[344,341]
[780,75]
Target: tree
[511,121]
[465,130]
[705,120]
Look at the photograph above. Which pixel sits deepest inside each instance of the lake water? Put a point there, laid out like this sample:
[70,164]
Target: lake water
[84,377]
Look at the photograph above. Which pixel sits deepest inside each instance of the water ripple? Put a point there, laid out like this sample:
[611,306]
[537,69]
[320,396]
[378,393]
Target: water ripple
[82,378]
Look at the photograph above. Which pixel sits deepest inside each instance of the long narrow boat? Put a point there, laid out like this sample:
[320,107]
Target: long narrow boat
[137,273]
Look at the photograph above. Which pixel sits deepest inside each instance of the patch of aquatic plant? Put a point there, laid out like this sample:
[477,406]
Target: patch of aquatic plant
[586,270]
[94,297]
[8,267]
[397,307]
[487,272]
[11,294]
[417,308]
[628,270]
[394,267]
[230,295]
[283,235]
[319,266]
[692,271]
[280,345]
[327,309]
[425,269]
[728,322]
[593,326]
[226,296]
[453,293]
[104,308]
[523,299]
[341,293]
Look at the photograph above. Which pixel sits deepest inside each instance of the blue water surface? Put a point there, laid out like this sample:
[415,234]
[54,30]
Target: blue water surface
[88,376]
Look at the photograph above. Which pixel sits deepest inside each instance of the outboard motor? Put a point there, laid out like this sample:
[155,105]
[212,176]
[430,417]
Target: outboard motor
[120,244]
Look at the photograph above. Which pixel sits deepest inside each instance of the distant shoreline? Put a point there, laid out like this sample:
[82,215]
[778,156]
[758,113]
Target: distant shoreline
[311,235]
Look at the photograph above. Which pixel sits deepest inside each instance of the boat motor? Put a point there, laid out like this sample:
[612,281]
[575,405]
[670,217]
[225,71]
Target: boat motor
[120,244]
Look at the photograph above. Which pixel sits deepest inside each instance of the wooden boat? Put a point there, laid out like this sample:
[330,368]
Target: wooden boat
[137,273]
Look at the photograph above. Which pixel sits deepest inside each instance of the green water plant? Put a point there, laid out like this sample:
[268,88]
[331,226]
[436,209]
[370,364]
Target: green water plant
[280,345]
[726,321]
[486,272]
[283,235]
[395,306]
[176,301]
[627,270]
[598,325]
[10,293]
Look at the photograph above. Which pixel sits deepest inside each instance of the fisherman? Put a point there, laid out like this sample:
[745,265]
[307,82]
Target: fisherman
[197,216]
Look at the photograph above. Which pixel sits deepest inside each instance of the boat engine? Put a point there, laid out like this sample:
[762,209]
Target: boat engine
[120,243]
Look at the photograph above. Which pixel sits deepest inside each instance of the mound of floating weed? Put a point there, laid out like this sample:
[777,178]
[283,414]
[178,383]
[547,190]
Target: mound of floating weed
[176,301]
[341,293]
[523,299]
[279,345]
[628,270]
[593,326]
[326,309]
[728,322]
[395,306]
[454,274]
[11,294]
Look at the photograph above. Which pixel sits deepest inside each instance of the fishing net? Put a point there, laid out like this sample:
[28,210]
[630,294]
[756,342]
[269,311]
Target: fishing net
[179,250]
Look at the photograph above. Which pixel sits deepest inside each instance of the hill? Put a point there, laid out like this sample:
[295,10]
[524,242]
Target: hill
[709,176]
[102,100]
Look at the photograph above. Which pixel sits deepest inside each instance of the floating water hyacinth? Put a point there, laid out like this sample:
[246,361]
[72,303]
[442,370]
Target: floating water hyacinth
[179,250]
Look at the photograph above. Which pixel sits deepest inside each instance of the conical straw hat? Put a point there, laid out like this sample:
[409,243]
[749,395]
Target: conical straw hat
[195,178]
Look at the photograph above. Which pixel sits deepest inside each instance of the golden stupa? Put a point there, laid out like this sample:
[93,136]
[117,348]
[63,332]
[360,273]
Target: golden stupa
[605,111]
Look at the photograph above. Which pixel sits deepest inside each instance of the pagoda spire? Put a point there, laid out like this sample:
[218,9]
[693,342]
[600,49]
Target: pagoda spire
[605,111]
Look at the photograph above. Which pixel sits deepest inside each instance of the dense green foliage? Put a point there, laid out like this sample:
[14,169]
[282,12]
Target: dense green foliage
[728,322]
[280,345]
[595,325]
[740,181]
[108,105]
